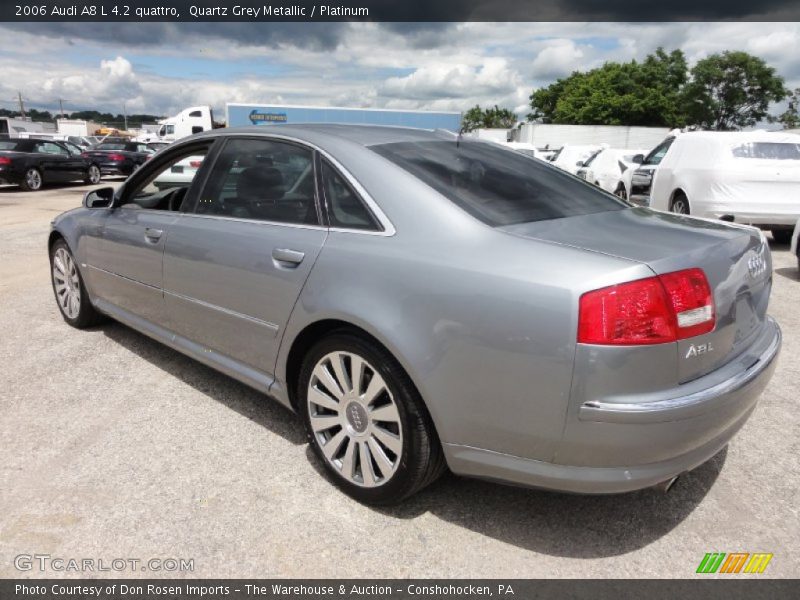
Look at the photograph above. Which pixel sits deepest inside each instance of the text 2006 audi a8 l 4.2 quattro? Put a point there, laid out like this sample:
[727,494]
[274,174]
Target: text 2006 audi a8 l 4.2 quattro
[428,302]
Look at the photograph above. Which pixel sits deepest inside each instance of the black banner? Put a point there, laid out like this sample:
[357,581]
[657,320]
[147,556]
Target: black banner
[731,588]
[266,11]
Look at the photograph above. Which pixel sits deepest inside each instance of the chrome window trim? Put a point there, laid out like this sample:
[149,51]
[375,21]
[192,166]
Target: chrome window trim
[388,227]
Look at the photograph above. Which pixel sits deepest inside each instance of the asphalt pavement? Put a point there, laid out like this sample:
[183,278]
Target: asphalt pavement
[116,447]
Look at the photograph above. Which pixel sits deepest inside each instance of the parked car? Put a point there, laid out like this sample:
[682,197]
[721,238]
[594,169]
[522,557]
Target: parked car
[425,302]
[179,174]
[606,167]
[119,157]
[570,158]
[525,148]
[795,247]
[744,177]
[635,183]
[32,163]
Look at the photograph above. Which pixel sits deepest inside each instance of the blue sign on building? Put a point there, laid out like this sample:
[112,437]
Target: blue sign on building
[239,115]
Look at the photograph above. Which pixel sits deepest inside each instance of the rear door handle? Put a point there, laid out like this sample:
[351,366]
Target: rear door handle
[152,235]
[288,258]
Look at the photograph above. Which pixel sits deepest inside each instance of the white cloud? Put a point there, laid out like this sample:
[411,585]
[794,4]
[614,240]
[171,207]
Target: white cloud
[558,58]
[452,68]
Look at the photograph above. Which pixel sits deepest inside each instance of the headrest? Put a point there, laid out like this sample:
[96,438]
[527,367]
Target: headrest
[259,183]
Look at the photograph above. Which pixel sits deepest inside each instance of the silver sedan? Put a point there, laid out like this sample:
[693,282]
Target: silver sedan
[428,302]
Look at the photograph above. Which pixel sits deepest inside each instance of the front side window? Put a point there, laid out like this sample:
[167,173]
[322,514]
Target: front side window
[51,148]
[345,208]
[262,180]
[167,186]
[658,153]
[496,186]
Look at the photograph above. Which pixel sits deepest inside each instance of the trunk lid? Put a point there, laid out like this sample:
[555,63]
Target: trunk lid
[735,259]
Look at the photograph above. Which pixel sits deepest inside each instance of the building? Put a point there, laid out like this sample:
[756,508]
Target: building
[616,136]
[12,126]
[239,115]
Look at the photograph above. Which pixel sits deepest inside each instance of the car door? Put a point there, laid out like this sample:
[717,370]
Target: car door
[235,265]
[75,164]
[53,161]
[642,177]
[126,257]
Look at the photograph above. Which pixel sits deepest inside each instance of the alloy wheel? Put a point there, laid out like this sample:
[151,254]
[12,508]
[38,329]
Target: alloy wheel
[33,179]
[66,283]
[94,175]
[679,206]
[354,419]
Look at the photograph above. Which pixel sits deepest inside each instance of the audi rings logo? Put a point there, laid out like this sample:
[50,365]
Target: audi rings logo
[757,264]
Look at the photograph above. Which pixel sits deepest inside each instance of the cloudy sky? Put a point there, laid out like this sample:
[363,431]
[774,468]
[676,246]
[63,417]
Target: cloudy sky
[161,68]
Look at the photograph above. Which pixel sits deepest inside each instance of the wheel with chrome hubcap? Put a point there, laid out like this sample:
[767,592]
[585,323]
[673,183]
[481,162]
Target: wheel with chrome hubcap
[33,180]
[71,296]
[93,175]
[680,205]
[366,422]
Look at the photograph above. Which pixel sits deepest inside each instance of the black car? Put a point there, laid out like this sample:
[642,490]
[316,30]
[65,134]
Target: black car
[31,163]
[119,158]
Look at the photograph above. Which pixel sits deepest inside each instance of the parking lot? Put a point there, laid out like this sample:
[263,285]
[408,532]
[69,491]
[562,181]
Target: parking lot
[115,446]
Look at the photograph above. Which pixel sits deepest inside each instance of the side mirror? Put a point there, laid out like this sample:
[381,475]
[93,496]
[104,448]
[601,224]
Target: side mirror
[638,159]
[99,198]
[579,163]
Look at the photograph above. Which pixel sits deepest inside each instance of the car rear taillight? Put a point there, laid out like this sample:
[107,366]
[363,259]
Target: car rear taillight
[656,310]
[116,157]
[691,300]
[84,155]
[4,160]
[195,164]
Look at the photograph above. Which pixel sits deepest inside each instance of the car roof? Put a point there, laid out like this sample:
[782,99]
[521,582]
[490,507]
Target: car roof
[364,135]
[740,137]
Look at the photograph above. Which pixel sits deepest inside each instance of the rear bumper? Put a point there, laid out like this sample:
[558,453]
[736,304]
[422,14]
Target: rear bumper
[753,214]
[116,169]
[646,444]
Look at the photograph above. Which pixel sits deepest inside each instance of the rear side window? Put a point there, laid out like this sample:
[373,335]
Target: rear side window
[345,208]
[768,150]
[497,186]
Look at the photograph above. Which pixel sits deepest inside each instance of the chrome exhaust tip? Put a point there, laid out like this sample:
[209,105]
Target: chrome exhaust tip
[666,486]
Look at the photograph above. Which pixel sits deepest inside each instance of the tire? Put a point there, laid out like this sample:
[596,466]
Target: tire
[782,236]
[402,450]
[70,293]
[680,204]
[93,175]
[32,181]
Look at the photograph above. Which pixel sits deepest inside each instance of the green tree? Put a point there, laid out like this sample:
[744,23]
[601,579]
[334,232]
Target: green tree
[493,117]
[790,118]
[731,90]
[632,93]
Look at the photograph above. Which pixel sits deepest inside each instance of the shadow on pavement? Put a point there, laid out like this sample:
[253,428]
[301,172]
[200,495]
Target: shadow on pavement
[248,402]
[545,522]
[567,525]
[791,273]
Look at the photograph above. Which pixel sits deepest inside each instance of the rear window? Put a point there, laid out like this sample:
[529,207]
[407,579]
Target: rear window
[111,146]
[6,145]
[497,186]
[769,150]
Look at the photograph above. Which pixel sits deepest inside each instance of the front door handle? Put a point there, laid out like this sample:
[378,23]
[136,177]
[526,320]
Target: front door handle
[152,235]
[287,257]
